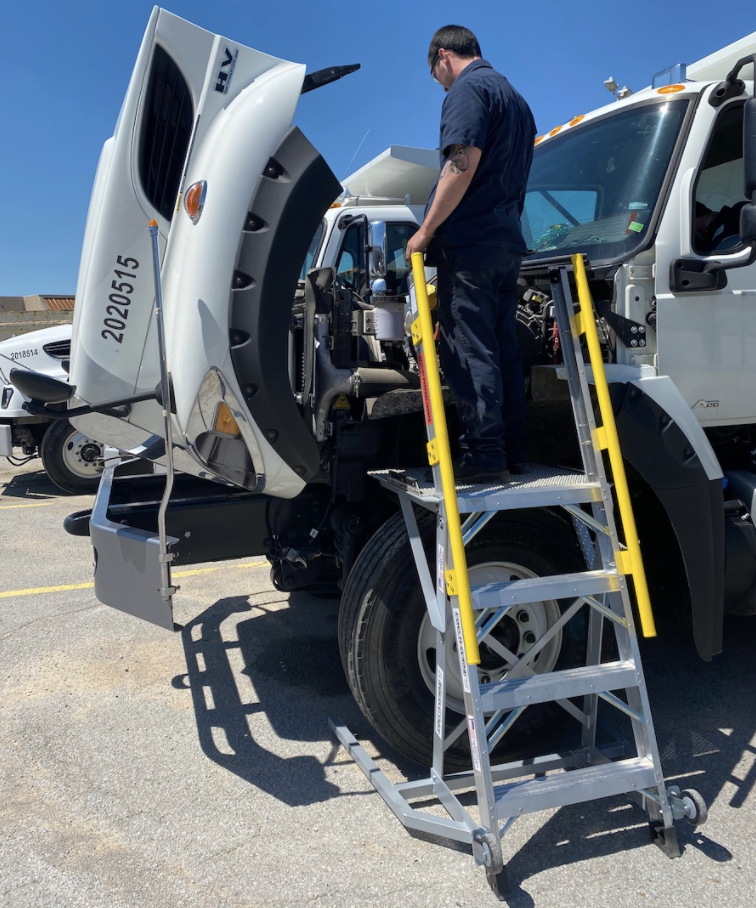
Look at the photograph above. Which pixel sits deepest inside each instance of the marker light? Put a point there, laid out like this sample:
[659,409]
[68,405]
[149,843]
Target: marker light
[194,200]
[224,423]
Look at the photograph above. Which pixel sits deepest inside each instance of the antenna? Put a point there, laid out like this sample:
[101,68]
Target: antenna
[356,153]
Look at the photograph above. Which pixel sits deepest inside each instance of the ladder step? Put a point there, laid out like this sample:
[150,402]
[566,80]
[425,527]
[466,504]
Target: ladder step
[543,688]
[575,786]
[541,589]
[543,486]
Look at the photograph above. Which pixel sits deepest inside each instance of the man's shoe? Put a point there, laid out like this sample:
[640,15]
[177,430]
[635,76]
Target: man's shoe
[519,468]
[469,473]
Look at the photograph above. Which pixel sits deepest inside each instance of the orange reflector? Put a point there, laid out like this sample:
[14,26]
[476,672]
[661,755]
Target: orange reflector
[224,423]
[575,120]
[555,130]
[336,205]
[153,223]
[538,139]
[670,89]
[194,200]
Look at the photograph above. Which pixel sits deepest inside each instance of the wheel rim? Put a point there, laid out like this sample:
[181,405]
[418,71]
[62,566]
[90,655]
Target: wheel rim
[81,454]
[519,630]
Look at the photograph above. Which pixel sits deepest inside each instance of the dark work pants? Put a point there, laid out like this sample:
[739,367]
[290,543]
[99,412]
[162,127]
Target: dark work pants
[480,356]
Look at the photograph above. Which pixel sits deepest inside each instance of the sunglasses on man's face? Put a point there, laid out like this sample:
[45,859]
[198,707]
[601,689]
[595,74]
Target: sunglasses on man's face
[433,66]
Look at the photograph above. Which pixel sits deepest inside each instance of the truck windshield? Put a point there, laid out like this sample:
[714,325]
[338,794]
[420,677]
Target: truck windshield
[595,188]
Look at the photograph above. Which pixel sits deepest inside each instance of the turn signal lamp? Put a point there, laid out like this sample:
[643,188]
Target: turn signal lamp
[194,200]
[224,422]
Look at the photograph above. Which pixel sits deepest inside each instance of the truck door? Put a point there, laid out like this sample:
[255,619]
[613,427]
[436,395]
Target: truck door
[706,338]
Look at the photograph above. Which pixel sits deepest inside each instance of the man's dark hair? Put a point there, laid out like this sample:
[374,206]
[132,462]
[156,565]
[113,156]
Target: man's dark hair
[456,38]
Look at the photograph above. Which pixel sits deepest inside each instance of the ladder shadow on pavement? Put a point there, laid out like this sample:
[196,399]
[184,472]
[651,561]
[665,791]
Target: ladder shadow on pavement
[705,718]
[268,689]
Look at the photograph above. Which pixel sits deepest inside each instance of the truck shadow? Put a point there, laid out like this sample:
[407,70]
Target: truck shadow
[262,729]
[267,687]
[31,486]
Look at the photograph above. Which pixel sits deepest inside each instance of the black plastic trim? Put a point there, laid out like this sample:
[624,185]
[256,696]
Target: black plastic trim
[659,450]
[293,200]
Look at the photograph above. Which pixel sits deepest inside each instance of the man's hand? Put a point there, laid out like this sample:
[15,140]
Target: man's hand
[418,243]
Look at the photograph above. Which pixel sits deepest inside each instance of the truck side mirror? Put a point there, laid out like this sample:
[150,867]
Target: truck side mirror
[749,150]
[748,224]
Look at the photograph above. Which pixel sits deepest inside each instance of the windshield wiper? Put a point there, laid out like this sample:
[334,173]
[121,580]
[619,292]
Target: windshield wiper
[560,208]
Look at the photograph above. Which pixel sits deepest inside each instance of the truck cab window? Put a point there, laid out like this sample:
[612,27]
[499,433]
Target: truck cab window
[351,264]
[312,252]
[397,266]
[718,195]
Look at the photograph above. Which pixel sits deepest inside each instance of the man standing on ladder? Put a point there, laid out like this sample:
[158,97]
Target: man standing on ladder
[472,232]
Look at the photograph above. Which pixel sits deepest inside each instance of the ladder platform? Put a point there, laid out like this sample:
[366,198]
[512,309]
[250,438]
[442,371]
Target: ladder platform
[542,589]
[543,688]
[542,486]
[575,786]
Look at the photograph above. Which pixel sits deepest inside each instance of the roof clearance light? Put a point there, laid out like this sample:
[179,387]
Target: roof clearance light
[555,130]
[575,120]
[669,89]
[194,200]
[539,139]
[224,422]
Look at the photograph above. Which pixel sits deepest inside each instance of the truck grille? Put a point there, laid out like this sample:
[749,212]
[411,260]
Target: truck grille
[166,130]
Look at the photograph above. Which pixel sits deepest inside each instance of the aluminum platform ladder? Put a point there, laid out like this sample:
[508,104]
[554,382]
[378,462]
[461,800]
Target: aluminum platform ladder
[592,768]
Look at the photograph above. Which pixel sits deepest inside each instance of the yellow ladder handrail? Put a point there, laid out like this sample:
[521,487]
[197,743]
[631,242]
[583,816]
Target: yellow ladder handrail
[609,440]
[458,581]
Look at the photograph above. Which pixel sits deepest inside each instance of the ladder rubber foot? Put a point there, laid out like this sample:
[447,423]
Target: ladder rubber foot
[666,838]
[499,883]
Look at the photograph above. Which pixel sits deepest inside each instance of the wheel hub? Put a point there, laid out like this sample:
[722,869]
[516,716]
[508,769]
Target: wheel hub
[81,455]
[506,633]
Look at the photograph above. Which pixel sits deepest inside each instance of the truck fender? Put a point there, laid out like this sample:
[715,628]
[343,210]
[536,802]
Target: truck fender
[664,442]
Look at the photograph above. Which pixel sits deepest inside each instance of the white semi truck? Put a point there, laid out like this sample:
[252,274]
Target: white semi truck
[71,459]
[288,384]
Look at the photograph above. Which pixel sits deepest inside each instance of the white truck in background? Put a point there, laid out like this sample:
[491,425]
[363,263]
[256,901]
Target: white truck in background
[72,460]
[289,384]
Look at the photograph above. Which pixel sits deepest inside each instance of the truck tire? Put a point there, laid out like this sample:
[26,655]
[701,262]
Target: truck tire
[388,646]
[70,458]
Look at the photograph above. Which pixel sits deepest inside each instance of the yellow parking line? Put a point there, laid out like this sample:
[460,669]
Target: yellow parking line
[39,590]
[36,504]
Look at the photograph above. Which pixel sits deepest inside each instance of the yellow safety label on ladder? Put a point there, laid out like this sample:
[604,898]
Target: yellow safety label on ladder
[341,403]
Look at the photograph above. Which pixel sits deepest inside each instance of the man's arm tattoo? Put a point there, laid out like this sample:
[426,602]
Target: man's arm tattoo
[458,160]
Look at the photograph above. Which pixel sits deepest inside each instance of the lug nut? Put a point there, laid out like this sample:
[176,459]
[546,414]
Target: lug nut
[523,617]
[529,638]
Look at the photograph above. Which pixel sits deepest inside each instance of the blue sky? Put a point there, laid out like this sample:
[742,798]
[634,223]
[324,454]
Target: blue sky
[64,67]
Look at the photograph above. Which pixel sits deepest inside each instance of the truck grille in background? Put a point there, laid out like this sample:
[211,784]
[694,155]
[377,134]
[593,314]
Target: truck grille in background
[166,130]
[58,349]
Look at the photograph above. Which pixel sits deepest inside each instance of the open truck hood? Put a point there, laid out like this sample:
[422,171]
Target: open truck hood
[200,107]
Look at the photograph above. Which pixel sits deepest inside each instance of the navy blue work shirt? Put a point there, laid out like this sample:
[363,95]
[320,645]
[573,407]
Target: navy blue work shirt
[482,109]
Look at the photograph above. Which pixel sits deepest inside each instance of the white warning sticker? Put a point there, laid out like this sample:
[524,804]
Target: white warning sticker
[461,650]
[440,703]
[474,749]
[440,582]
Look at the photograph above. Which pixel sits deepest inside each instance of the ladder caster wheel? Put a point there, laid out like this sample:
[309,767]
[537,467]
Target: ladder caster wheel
[696,811]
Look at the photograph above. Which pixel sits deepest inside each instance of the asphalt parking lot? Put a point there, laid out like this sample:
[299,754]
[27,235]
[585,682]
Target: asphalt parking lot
[144,769]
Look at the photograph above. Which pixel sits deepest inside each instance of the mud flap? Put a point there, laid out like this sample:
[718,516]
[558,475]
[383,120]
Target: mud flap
[127,572]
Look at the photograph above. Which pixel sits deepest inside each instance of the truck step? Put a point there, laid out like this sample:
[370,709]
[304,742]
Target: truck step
[542,589]
[543,688]
[575,786]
